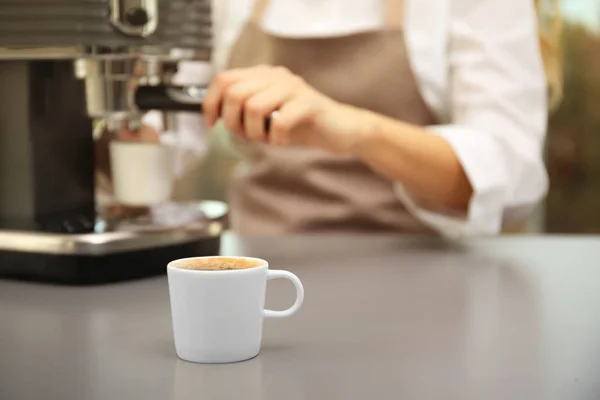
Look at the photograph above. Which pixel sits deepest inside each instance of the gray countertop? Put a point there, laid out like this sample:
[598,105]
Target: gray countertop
[384,318]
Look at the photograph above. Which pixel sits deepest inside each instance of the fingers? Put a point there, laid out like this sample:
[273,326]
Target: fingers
[260,106]
[290,116]
[211,105]
[244,98]
[234,102]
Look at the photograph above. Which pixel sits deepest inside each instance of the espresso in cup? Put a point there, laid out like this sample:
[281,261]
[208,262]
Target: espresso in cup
[217,306]
[219,264]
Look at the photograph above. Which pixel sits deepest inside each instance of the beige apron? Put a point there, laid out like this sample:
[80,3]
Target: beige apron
[287,189]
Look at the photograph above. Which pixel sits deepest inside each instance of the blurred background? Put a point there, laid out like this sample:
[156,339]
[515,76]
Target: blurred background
[572,148]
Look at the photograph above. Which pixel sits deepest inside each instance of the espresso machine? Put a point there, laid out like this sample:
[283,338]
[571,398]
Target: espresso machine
[65,66]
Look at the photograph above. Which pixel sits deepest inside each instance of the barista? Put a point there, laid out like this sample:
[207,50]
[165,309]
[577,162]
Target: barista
[393,115]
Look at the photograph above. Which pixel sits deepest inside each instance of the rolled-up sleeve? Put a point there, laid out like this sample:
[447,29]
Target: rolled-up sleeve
[498,115]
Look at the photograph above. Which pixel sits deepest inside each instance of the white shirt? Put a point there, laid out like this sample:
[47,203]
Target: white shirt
[479,68]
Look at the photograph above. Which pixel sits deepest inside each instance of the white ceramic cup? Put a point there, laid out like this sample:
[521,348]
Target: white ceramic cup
[142,173]
[218,314]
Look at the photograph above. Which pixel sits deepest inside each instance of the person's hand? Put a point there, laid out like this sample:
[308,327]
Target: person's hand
[244,98]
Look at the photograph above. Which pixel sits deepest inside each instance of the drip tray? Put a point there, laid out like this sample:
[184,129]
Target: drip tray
[126,245]
[162,225]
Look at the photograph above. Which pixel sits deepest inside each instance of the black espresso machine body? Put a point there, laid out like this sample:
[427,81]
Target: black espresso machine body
[65,64]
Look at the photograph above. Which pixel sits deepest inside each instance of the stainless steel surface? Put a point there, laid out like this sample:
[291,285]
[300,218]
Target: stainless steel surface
[41,53]
[108,88]
[113,47]
[96,25]
[112,82]
[78,52]
[384,318]
[117,45]
[117,241]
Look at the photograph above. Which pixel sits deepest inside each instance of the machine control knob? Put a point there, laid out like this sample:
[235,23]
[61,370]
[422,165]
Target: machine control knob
[137,17]
[134,17]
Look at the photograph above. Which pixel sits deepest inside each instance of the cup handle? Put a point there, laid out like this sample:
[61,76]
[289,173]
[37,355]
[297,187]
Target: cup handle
[275,274]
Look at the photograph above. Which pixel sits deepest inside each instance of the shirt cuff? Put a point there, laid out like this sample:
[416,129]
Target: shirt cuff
[485,168]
